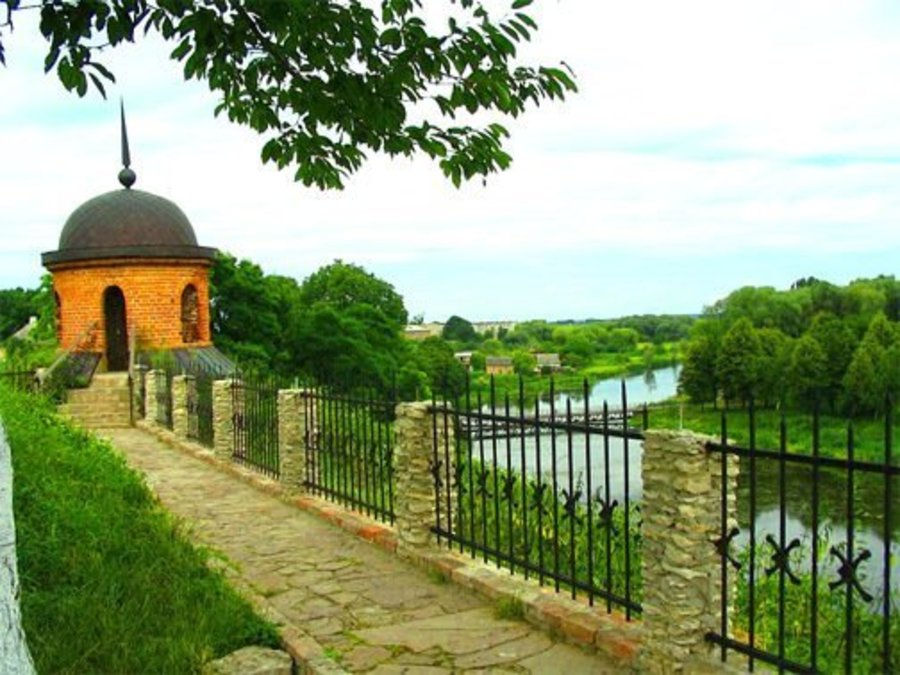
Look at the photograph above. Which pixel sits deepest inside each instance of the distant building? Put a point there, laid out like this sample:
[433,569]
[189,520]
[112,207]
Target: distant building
[498,365]
[465,358]
[422,331]
[493,326]
[547,363]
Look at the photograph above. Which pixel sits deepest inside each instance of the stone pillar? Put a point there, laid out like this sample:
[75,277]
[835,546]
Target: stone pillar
[223,419]
[150,396]
[180,384]
[681,566]
[292,418]
[414,473]
[139,391]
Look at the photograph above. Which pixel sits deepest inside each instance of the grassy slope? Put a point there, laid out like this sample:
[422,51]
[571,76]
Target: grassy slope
[109,581]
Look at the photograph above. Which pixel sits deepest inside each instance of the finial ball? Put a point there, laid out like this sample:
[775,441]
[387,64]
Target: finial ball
[127,177]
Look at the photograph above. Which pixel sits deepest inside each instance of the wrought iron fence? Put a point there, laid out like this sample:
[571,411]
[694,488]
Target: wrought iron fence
[164,396]
[349,448]
[255,423]
[810,581]
[200,407]
[533,486]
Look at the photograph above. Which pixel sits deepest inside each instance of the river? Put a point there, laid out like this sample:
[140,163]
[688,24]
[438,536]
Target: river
[554,450]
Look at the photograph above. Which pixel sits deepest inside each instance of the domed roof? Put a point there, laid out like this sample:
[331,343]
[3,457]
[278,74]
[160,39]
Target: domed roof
[127,224]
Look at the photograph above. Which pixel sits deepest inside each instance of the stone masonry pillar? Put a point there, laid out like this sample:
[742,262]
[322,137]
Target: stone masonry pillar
[180,384]
[139,391]
[223,419]
[414,481]
[681,566]
[150,394]
[292,419]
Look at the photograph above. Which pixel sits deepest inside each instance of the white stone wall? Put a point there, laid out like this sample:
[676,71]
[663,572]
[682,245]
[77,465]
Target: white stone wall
[14,654]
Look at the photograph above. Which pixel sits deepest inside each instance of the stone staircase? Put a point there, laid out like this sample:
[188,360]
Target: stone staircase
[105,404]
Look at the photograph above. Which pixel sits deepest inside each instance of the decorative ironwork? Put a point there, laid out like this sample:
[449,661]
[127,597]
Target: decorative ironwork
[723,547]
[781,558]
[524,498]
[255,424]
[773,647]
[350,446]
[848,574]
[571,504]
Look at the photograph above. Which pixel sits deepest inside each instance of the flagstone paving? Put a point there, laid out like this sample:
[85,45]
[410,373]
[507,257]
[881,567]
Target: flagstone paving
[366,608]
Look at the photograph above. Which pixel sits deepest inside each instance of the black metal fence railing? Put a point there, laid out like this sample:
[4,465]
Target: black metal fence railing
[255,423]
[349,444]
[164,396]
[200,408]
[811,574]
[544,487]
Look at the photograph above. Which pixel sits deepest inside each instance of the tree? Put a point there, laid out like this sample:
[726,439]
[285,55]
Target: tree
[698,378]
[774,361]
[808,373]
[326,82]
[250,313]
[839,343]
[342,285]
[446,375]
[457,328]
[874,371]
[738,362]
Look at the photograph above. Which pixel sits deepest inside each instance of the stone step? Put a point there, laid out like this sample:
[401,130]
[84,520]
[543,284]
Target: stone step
[101,396]
[109,381]
[87,411]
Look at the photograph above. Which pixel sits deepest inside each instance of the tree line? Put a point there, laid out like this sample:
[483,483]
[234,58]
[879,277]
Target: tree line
[815,345]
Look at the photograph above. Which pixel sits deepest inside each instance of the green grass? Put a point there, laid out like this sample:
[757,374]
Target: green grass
[509,608]
[110,582]
[868,432]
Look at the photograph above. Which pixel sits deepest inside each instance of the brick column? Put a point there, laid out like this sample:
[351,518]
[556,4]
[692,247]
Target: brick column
[223,414]
[180,384]
[150,395]
[682,569]
[414,489]
[292,419]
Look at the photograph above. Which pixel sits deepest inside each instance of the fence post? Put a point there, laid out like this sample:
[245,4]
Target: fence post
[414,492]
[180,384]
[292,437]
[150,397]
[223,418]
[138,392]
[681,566]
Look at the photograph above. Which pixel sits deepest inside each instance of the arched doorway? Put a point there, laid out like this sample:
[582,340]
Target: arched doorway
[116,329]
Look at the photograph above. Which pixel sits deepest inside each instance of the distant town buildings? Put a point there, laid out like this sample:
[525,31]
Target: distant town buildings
[498,365]
[421,331]
[547,363]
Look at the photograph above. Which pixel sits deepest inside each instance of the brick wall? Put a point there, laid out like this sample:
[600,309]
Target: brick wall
[152,290]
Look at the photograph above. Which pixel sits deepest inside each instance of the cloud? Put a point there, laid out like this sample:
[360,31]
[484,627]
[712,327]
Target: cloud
[703,131]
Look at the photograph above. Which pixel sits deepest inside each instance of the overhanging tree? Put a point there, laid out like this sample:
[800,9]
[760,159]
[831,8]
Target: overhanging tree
[326,83]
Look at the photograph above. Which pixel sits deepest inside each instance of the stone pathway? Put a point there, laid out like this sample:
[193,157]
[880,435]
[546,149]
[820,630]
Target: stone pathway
[369,611]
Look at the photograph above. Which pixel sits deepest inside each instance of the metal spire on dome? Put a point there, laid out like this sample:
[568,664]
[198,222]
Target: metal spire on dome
[126,175]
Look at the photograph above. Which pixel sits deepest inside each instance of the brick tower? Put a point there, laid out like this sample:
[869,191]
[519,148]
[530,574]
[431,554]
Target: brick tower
[129,274]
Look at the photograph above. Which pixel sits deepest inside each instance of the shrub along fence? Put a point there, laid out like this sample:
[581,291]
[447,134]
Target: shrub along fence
[667,527]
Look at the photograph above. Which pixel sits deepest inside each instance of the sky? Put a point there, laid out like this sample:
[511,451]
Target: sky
[712,145]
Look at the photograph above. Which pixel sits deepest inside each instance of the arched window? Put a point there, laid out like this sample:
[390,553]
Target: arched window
[190,315]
